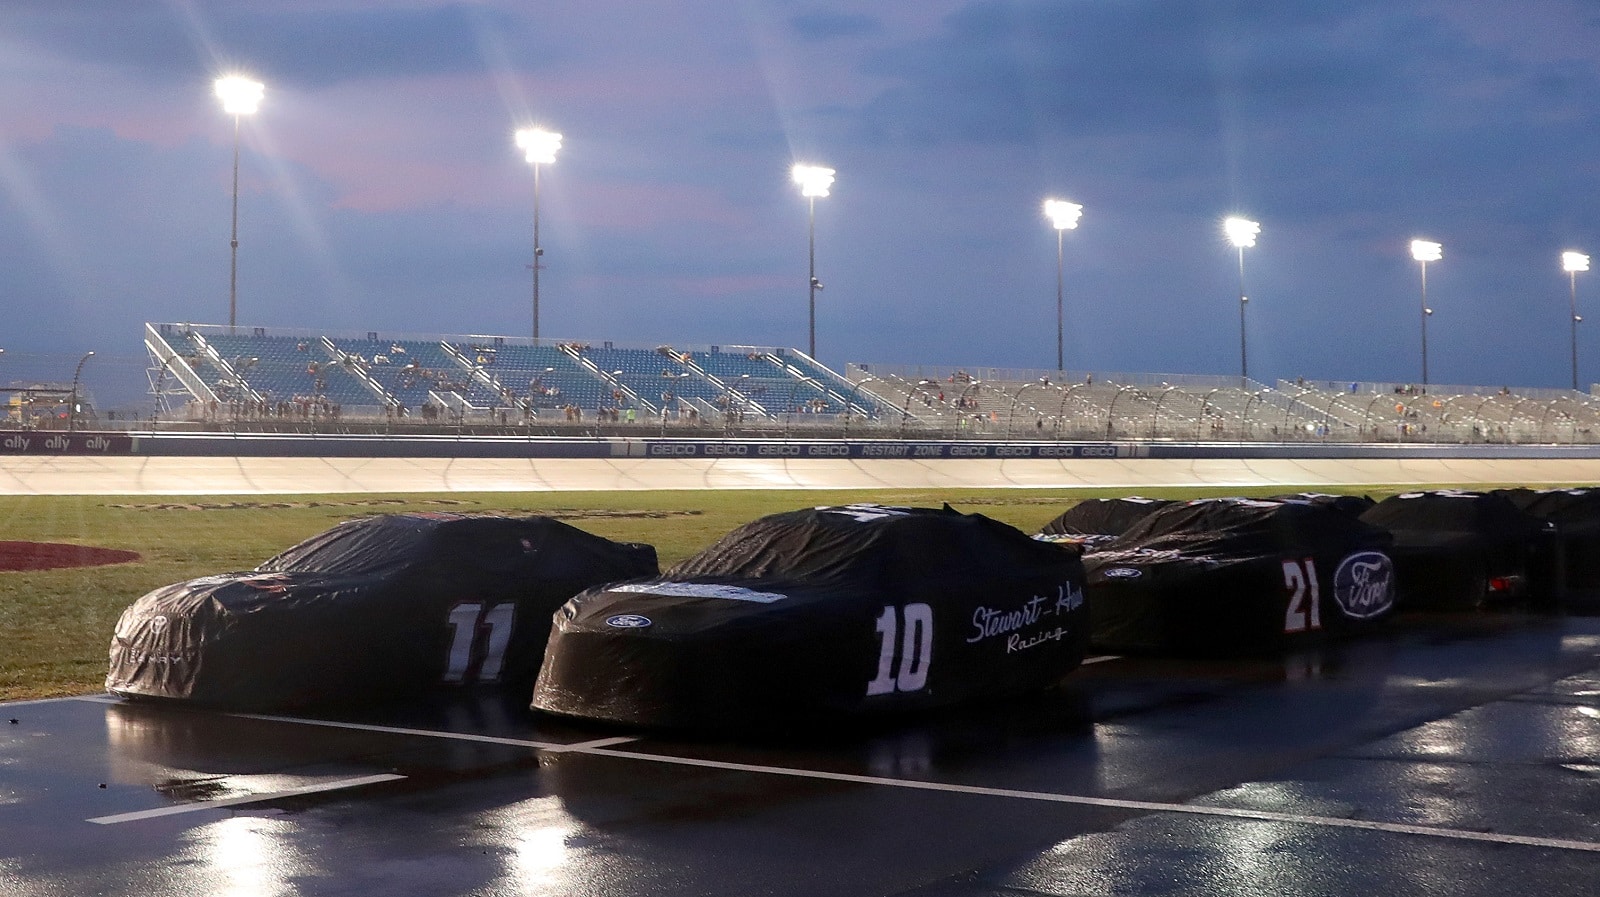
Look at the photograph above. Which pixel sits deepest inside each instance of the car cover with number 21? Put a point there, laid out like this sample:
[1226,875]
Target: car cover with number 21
[823,613]
[1238,576]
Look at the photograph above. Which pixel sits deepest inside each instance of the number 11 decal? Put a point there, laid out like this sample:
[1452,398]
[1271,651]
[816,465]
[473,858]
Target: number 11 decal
[481,635]
[1305,604]
[916,649]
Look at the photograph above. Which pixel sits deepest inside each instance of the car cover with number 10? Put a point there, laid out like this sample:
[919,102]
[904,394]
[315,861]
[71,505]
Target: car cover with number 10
[822,613]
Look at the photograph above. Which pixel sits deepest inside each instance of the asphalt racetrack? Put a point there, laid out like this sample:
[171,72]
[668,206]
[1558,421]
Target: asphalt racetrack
[1451,755]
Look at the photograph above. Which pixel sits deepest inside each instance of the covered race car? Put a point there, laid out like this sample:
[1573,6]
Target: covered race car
[1237,576]
[1576,515]
[1458,550]
[1094,522]
[382,607]
[832,612]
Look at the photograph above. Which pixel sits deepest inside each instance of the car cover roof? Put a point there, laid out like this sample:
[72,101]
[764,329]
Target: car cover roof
[1242,527]
[1445,514]
[1574,511]
[385,543]
[865,542]
[1103,516]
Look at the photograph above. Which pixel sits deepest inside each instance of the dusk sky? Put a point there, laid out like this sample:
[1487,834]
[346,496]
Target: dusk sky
[381,190]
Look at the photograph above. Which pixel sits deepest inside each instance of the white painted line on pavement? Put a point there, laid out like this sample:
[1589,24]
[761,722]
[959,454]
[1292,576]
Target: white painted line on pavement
[197,806]
[586,746]
[1115,803]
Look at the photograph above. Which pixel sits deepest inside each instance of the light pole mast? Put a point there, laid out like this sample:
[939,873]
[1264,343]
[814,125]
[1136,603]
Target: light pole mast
[1572,263]
[540,147]
[1242,234]
[1425,251]
[811,278]
[240,96]
[814,181]
[1063,217]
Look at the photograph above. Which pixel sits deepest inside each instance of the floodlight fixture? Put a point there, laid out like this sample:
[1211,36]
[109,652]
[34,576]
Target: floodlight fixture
[814,181]
[1572,263]
[239,95]
[1426,251]
[539,147]
[1242,232]
[1063,217]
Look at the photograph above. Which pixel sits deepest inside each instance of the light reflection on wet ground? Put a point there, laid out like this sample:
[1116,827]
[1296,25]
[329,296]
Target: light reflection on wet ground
[1476,725]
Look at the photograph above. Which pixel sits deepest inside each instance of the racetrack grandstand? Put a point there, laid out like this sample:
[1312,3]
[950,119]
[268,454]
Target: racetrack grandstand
[204,376]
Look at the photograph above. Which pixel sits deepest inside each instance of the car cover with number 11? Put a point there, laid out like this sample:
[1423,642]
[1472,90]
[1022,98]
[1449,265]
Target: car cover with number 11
[384,607]
[823,613]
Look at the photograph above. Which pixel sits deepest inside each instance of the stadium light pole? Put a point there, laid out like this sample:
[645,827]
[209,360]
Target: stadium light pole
[240,96]
[1242,234]
[814,181]
[540,148]
[1572,263]
[72,410]
[1063,217]
[1425,251]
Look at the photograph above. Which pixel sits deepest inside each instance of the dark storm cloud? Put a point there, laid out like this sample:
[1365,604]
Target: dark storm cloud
[826,26]
[306,48]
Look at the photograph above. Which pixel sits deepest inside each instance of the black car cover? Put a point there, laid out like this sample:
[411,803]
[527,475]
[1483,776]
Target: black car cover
[1237,576]
[1354,505]
[822,613]
[1095,521]
[377,608]
[1576,515]
[1459,549]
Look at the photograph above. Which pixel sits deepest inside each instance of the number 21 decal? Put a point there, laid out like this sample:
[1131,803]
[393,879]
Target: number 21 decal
[1305,604]
[480,635]
[916,649]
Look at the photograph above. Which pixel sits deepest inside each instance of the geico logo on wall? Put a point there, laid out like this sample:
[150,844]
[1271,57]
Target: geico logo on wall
[1364,585]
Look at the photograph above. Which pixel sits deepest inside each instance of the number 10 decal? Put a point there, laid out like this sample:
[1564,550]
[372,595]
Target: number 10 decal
[916,649]
[481,635]
[1305,604]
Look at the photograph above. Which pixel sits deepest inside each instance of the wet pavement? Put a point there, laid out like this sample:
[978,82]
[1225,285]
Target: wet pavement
[1452,756]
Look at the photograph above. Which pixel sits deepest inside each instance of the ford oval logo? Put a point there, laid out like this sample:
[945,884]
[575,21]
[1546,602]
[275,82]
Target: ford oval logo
[628,621]
[1124,573]
[1364,585]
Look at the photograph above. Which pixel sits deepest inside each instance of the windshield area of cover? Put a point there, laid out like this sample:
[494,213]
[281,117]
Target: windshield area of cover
[359,547]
